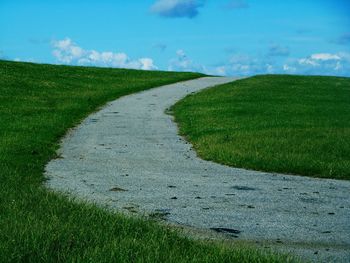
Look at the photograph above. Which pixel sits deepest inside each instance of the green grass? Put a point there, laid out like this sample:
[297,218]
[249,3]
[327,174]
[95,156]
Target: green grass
[274,123]
[38,103]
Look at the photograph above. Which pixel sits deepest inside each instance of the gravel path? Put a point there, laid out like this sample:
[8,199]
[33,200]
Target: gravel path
[129,156]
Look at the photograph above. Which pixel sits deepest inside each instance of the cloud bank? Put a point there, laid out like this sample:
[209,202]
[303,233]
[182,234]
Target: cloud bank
[177,8]
[275,60]
[321,64]
[67,52]
[337,64]
[334,64]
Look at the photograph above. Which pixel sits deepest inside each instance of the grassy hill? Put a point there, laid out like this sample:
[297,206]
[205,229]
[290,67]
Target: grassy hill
[287,124]
[38,103]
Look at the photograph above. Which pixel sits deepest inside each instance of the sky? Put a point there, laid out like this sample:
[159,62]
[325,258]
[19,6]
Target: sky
[222,37]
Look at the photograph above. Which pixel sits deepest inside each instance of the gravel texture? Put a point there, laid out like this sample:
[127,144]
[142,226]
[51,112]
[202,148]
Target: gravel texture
[129,156]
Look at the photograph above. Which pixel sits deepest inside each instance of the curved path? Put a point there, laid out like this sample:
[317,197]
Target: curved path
[129,156]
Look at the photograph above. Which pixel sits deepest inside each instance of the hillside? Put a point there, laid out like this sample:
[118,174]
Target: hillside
[274,123]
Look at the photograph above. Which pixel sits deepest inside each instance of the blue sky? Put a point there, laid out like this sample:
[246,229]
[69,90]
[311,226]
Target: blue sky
[222,37]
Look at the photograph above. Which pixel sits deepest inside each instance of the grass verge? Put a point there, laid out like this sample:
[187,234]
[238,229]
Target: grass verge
[274,123]
[38,103]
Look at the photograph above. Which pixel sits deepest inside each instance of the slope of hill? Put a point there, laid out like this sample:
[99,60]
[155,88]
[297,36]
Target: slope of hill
[274,123]
[38,104]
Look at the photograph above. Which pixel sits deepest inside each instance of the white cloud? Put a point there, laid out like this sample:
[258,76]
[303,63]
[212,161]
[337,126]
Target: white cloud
[320,59]
[308,61]
[325,56]
[183,63]
[177,8]
[146,64]
[64,44]
[68,52]
[324,64]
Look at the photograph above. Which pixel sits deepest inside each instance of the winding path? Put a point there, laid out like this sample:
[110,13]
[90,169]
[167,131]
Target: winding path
[129,156]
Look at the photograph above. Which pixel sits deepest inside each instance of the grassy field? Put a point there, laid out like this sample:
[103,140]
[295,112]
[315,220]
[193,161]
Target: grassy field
[275,123]
[38,103]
